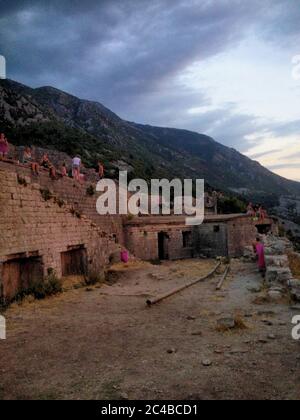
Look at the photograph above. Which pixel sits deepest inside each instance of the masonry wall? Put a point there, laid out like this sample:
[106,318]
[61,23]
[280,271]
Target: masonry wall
[33,227]
[211,240]
[74,194]
[241,233]
[142,241]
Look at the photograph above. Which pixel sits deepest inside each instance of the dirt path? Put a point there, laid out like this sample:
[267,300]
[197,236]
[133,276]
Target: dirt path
[106,344]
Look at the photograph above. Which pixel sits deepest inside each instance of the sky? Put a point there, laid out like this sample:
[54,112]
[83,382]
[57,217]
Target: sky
[226,68]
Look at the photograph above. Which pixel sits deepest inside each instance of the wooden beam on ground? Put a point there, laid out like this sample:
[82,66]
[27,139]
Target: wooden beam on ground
[220,284]
[151,302]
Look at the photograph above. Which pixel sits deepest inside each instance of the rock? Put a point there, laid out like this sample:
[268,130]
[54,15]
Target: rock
[295,295]
[124,396]
[238,351]
[267,322]
[266,313]
[262,341]
[274,295]
[277,261]
[272,337]
[226,323]
[277,275]
[191,318]
[206,362]
[197,333]
[294,283]
[248,253]
[171,351]
[255,289]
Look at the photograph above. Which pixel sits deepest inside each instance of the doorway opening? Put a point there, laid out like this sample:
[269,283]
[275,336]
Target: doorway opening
[263,229]
[19,275]
[163,241]
[74,261]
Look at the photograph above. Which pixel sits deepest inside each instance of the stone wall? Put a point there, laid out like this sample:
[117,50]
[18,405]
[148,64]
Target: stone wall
[31,227]
[74,194]
[219,235]
[241,233]
[211,239]
[142,241]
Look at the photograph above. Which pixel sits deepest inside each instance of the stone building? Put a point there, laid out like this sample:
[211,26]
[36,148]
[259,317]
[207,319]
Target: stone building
[153,238]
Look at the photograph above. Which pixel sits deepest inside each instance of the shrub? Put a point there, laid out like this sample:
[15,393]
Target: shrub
[50,286]
[94,277]
[59,202]
[90,190]
[46,194]
[22,181]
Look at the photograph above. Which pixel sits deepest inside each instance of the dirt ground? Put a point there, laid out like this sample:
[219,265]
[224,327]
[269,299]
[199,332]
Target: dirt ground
[105,343]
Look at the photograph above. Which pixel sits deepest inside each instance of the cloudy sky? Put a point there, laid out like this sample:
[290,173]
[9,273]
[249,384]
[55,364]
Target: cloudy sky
[226,68]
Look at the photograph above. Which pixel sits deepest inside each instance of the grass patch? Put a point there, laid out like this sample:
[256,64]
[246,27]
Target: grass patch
[46,194]
[294,260]
[91,191]
[93,277]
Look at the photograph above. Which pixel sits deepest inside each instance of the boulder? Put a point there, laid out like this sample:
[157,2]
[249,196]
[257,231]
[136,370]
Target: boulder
[226,323]
[295,294]
[277,261]
[278,275]
[294,283]
[275,295]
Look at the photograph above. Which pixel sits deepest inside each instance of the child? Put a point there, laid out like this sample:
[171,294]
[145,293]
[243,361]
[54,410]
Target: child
[64,171]
[3,146]
[27,158]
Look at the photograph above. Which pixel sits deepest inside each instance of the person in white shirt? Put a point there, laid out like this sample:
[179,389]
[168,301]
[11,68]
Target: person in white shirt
[76,164]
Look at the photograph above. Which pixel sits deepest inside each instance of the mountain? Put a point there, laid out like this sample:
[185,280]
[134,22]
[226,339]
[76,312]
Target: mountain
[50,117]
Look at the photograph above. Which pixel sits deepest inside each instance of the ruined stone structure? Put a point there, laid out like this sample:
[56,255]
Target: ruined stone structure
[48,224]
[39,232]
[152,238]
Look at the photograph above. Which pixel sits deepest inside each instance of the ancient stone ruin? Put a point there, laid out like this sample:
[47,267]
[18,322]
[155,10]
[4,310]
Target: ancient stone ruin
[53,226]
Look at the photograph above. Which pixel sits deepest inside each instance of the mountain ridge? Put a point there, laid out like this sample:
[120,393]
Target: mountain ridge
[88,127]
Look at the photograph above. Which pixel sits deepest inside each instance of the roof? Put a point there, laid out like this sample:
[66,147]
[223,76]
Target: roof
[180,220]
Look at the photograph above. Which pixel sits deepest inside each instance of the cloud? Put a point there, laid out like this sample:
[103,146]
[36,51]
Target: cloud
[130,55]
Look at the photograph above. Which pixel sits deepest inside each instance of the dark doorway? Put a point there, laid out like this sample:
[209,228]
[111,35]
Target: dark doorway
[187,239]
[19,275]
[74,262]
[263,229]
[163,253]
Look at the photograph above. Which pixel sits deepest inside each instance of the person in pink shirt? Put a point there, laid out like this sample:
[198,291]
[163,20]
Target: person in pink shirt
[260,252]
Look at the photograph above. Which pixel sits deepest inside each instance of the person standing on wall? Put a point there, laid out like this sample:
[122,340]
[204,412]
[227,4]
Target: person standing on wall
[76,165]
[100,170]
[3,146]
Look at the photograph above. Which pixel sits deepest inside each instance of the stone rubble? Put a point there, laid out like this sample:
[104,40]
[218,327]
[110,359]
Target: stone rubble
[279,278]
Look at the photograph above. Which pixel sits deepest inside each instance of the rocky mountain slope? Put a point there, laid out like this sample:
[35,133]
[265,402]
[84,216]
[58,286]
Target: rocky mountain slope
[49,117]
